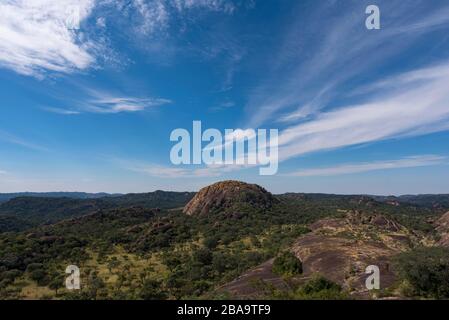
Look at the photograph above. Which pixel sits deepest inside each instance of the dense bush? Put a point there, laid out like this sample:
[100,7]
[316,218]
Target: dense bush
[287,264]
[320,288]
[425,272]
[320,284]
[151,290]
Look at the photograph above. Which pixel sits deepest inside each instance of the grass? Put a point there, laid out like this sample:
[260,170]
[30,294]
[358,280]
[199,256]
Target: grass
[29,290]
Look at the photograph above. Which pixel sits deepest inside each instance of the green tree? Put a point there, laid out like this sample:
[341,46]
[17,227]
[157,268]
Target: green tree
[287,264]
[95,285]
[426,270]
[211,242]
[151,290]
[203,256]
[320,288]
[40,276]
[56,284]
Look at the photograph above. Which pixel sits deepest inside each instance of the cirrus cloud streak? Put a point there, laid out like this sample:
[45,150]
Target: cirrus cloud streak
[408,162]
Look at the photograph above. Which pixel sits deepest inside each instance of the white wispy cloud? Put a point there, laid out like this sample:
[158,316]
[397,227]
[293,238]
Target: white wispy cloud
[155,16]
[124,104]
[35,36]
[437,19]
[13,139]
[215,5]
[176,172]
[408,162]
[108,103]
[3,172]
[171,171]
[312,78]
[40,36]
[409,104]
[61,111]
[416,109]
[223,106]
[310,75]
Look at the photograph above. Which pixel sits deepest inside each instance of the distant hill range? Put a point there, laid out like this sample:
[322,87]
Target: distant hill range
[74,195]
[424,200]
[21,212]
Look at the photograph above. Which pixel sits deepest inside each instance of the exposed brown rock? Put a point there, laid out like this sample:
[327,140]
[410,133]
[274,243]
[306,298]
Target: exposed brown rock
[339,249]
[344,260]
[229,196]
[442,226]
[247,286]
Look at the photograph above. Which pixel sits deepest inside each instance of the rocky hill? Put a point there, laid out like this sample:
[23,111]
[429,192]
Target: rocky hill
[228,196]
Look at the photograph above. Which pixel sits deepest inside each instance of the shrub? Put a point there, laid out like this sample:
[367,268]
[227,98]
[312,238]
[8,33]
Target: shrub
[426,271]
[34,266]
[56,284]
[40,276]
[151,290]
[320,284]
[203,256]
[287,264]
[320,288]
[210,242]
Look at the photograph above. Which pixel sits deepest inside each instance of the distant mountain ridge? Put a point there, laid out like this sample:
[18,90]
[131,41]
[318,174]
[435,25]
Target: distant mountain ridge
[425,200]
[422,200]
[74,195]
[19,213]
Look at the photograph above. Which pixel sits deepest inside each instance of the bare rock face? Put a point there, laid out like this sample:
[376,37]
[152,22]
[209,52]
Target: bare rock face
[443,221]
[339,249]
[442,226]
[344,260]
[229,196]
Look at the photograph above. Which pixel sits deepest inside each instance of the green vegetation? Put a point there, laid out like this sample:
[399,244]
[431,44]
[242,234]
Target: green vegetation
[22,213]
[425,272]
[317,288]
[195,254]
[320,288]
[126,250]
[287,264]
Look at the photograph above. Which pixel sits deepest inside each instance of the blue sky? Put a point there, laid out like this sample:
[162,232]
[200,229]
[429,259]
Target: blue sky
[92,109]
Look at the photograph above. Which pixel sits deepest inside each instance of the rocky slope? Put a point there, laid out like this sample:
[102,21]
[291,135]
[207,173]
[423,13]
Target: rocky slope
[227,196]
[442,226]
[339,249]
